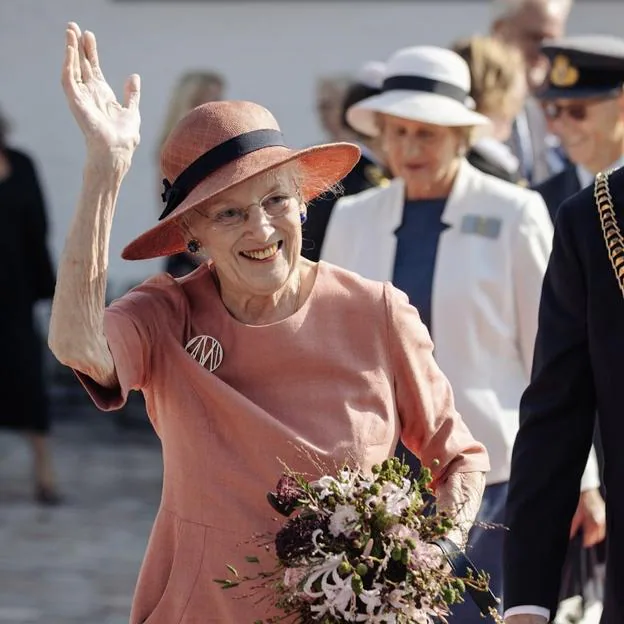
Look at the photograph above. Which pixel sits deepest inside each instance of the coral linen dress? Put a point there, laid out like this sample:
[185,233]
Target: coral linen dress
[341,379]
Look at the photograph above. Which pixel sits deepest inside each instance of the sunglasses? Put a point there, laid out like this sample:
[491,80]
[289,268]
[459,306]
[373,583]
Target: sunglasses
[576,110]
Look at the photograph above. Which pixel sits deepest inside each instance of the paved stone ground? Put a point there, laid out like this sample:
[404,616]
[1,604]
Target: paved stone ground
[77,563]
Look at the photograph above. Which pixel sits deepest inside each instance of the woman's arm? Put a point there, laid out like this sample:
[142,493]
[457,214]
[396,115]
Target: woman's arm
[112,133]
[431,427]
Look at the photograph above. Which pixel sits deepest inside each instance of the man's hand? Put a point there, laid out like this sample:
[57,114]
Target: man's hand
[591,517]
[526,619]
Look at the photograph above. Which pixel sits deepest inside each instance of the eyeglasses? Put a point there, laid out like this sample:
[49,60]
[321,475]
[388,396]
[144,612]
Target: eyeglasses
[576,110]
[274,206]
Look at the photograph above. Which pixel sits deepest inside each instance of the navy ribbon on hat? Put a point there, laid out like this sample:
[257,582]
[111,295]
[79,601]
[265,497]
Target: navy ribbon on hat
[228,151]
[426,85]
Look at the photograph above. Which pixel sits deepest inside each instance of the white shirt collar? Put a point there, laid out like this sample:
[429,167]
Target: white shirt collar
[586,177]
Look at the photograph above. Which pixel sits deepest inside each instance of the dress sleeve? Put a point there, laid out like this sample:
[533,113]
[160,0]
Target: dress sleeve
[431,427]
[133,325]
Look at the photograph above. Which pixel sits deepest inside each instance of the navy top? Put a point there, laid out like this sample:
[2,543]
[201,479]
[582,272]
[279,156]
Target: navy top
[417,246]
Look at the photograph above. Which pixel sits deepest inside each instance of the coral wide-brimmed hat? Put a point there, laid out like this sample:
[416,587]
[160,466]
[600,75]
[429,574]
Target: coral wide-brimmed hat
[219,145]
[421,83]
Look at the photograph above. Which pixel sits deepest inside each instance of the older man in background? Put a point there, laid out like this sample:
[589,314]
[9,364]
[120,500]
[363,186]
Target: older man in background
[527,24]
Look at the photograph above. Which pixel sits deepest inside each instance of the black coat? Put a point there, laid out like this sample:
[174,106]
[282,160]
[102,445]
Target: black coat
[26,276]
[479,160]
[577,374]
[366,174]
[557,189]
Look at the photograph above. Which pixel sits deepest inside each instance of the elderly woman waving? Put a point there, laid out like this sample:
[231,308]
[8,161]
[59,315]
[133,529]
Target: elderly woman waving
[469,250]
[255,358]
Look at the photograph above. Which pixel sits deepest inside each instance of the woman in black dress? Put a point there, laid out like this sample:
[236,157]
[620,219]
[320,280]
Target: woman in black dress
[26,276]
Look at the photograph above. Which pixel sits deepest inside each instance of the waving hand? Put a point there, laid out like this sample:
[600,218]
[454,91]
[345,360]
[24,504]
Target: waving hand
[108,126]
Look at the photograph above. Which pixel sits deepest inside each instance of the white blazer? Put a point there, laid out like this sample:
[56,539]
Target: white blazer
[486,291]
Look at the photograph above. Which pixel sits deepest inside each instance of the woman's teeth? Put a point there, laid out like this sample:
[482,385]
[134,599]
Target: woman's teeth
[261,254]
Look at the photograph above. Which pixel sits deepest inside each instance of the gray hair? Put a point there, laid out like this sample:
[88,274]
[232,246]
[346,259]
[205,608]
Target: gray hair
[506,9]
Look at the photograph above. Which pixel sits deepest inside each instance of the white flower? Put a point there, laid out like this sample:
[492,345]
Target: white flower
[337,594]
[400,601]
[394,498]
[343,485]
[343,520]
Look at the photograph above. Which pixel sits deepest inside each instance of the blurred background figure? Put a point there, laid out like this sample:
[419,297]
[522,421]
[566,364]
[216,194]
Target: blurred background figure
[584,105]
[499,90]
[526,24]
[26,277]
[192,89]
[330,95]
[369,172]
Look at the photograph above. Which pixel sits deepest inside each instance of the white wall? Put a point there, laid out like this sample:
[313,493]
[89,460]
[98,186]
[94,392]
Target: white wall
[270,51]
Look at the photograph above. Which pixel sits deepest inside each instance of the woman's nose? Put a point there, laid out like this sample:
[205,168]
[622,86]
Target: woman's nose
[412,147]
[258,222]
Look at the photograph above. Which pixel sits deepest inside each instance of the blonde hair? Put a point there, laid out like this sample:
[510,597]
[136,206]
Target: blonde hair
[184,97]
[495,68]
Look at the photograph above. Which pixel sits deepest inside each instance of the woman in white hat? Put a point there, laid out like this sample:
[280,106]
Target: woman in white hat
[469,250]
[257,357]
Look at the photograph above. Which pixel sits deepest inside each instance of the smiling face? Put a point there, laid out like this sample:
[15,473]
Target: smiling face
[591,130]
[425,155]
[252,233]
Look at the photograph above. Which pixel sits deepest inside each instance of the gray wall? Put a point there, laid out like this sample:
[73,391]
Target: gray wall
[271,52]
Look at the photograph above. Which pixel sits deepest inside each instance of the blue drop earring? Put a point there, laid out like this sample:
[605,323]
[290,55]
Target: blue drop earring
[303,216]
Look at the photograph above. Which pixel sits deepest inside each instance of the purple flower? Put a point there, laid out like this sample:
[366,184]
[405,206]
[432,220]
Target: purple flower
[287,495]
[294,539]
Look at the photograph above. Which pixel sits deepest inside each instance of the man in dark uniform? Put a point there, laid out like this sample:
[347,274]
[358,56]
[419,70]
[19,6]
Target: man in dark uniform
[367,173]
[577,376]
[583,101]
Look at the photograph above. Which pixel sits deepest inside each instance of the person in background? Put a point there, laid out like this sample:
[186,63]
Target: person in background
[192,89]
[468,249]
[370,170]
[584,104]
[499,90]
[526,24]
[26,277]
[330,94]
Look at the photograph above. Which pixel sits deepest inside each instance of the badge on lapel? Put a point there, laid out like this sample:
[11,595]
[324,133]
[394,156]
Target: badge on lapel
[206,350]
[489,227]
[376,176]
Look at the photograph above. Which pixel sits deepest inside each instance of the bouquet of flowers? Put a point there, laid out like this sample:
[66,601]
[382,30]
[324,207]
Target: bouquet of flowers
[360,548]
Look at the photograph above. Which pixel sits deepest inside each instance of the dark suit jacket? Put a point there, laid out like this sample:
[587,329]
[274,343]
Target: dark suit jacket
[363,176]
[541,153]
[487,165]
[557,189]
[577,372]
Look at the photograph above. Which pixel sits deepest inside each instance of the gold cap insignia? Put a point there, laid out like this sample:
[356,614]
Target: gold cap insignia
[376,176]
[562,74]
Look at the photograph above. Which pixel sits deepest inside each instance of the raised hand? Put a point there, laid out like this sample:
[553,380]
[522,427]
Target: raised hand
[109,127]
